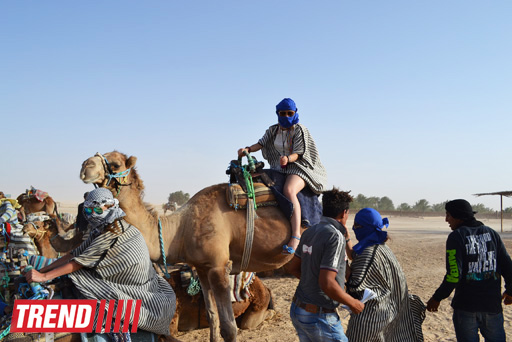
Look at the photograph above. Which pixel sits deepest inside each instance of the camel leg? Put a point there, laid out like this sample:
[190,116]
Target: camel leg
[210,306]
[219,281]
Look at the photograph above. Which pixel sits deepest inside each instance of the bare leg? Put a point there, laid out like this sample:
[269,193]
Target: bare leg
[293,185]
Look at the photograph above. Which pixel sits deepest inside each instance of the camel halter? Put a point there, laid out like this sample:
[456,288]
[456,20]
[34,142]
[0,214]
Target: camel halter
[119,178]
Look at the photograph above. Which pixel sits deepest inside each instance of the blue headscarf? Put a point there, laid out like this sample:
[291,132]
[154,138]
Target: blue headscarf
[285,121]
[371,232]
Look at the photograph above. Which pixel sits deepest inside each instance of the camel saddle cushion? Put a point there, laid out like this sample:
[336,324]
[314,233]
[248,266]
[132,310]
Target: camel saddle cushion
[237,197]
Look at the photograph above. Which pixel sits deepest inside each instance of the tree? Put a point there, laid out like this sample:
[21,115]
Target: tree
[385,203]
[482,209]
[179,197]
[422,205]
[404,207]
[439,207]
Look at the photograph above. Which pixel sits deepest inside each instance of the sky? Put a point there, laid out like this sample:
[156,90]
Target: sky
[405,99]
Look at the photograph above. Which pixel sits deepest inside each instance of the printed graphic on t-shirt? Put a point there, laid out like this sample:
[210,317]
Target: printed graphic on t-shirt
[485,266]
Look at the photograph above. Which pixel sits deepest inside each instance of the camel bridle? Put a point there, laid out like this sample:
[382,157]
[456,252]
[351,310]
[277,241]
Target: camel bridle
[119,178]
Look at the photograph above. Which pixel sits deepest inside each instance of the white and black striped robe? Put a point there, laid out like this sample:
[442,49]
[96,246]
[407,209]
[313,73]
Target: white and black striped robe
[394,316]
[308,166]
[117,266]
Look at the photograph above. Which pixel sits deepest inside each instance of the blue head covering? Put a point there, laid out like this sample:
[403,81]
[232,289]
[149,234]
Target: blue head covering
[285,121]
[371,232]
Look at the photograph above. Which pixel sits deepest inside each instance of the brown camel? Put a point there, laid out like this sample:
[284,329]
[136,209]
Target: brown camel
[30,204]
[205,232]
[191,314]
[48,240]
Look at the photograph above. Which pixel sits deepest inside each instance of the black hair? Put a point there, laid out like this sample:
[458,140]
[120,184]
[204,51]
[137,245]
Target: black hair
[335,202]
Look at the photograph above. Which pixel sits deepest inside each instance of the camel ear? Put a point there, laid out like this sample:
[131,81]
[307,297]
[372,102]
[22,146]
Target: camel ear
[131,162]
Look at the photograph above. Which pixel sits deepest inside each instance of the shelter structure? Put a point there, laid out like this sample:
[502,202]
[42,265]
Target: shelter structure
[501,194]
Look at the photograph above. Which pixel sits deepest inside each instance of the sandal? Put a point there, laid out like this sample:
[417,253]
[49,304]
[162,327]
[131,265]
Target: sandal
[289,250]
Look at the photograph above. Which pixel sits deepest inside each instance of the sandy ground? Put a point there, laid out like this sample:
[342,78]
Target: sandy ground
[418,243]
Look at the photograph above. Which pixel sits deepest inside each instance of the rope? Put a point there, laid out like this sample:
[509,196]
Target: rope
[194,287]
[5,332]
[160,236]
[249,234]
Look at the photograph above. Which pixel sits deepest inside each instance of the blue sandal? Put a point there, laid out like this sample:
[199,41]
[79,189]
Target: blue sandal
[289,250]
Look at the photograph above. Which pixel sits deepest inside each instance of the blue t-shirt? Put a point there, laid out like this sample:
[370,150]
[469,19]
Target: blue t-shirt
[321,247]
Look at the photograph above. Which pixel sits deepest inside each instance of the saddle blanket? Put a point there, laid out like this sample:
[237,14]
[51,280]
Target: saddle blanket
[239,284]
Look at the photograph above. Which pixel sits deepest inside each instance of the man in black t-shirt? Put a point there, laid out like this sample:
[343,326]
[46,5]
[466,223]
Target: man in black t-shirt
[476,259]
[319,262]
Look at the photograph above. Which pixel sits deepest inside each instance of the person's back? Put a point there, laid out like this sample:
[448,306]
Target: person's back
[483,256]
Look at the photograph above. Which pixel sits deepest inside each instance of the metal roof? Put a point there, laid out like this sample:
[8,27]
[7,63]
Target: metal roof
[502,193]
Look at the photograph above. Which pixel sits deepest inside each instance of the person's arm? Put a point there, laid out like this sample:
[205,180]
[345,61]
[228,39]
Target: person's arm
[292,158]
[349,246]
[35,276]
[250,149]
[329,285]
[505,267]
[294,267]
[8,213]
[57,263]
[454,255]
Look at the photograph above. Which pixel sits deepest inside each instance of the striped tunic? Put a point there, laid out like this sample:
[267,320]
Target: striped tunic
[18,239]
[308,166]
[394,316]
[117,266]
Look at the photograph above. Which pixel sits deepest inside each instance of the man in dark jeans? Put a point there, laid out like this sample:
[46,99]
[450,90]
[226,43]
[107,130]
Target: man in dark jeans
[476,259]
[319,262]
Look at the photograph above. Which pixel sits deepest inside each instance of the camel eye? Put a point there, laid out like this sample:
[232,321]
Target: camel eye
[115,166]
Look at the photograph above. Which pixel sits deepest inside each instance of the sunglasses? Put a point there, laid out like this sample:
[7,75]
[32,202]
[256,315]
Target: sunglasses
[97,210]
[287,113]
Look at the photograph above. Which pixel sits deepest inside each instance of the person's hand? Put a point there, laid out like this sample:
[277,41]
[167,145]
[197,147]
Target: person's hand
[356,307]
[241,152]
[35,276]
[507,299]
[433,305]
[284,160]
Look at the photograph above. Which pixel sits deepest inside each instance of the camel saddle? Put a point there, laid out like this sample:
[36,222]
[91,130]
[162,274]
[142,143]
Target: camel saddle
[236,193]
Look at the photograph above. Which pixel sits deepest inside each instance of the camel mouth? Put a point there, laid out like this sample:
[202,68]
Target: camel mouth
[90,179]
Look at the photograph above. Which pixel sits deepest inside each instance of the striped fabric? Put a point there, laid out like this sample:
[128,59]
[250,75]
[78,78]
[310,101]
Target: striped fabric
[117,266]
[18,240]
[40,261]
[394,316]
[308,166]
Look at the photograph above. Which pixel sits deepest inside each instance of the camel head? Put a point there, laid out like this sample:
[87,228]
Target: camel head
[110,170]
[36,229]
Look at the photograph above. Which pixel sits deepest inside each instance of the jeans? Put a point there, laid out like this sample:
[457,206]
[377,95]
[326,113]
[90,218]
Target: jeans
[467,324]
[317,327]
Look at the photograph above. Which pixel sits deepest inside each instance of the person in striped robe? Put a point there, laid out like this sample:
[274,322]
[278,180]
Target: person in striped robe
[113,263]
[394,315]
[14,234]
[290,149]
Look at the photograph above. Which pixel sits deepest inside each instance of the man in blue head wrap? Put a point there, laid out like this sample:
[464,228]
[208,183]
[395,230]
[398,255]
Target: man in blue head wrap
[391,315]
[290,149]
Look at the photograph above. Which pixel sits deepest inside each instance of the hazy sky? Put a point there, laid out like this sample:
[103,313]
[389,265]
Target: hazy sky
[405,99]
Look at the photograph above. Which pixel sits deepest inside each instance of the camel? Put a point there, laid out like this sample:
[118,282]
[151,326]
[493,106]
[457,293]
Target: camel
[30,204]
[48,238]
[205,233]
[190,313]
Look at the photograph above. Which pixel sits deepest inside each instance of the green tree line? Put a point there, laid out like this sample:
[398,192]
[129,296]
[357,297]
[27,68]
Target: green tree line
[422,205]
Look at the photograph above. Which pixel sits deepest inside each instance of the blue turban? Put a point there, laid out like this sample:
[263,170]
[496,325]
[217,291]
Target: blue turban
[371,232]
[285,121]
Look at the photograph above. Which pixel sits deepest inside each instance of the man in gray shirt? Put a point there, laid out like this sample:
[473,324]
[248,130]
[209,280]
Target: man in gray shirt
[320,263]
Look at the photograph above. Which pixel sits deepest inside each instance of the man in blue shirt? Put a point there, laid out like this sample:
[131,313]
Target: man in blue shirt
[476,259]
[320,264]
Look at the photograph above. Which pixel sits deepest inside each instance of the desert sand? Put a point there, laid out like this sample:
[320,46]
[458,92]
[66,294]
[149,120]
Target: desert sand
[419,245]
